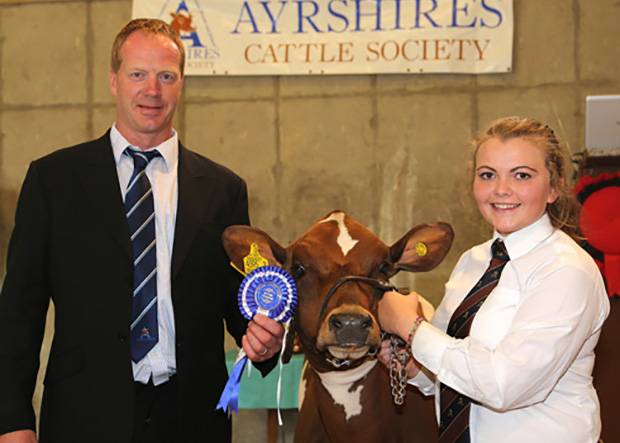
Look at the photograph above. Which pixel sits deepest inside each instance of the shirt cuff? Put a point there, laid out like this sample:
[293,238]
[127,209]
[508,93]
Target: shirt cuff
[428,346]
[424,381]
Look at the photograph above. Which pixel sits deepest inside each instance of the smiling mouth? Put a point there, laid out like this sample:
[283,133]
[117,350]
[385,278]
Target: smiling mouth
[149,108]
[505,206]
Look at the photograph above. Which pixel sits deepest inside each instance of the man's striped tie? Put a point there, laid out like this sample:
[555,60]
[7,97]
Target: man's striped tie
[454,419]
[140,212]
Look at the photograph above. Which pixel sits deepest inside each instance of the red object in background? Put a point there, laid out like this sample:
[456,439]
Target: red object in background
[600,224]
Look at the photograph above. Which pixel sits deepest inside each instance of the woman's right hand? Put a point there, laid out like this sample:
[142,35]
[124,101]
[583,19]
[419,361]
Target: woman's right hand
[398,312]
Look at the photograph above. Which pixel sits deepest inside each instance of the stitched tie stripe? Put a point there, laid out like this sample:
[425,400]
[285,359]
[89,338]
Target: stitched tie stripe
[140,211]
[454,417]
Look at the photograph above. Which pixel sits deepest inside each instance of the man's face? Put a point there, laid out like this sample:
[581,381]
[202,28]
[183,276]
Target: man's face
[147,87]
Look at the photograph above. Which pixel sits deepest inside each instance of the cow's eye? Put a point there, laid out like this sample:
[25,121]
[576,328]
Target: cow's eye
[298,270]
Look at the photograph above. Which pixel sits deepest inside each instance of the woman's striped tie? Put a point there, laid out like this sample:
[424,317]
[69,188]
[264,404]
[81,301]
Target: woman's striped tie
[454,419]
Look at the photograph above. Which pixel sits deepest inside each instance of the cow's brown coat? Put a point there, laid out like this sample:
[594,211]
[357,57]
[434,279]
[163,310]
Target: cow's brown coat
[317,261]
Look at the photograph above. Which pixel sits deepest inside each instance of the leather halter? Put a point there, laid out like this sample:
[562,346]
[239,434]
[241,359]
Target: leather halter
[380,286]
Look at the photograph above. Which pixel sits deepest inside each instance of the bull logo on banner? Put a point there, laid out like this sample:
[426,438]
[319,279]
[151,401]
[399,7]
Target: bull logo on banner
[188,18]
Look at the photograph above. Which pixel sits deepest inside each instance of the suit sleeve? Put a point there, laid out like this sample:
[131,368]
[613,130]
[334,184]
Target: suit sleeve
[24,300]
[235,322]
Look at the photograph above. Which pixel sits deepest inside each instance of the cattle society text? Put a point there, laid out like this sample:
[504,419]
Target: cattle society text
[408,50]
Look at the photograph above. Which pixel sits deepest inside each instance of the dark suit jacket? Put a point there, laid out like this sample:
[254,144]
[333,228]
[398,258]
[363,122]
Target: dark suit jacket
[71,243]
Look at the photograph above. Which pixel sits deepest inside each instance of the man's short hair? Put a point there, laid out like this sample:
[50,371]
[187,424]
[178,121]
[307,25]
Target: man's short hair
[148,26]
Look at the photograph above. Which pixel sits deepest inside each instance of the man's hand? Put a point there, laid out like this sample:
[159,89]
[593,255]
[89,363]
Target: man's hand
[23,436]
[262,339]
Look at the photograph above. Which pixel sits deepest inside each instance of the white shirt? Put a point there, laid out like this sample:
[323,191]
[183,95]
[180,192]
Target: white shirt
[160,362]
[529,356]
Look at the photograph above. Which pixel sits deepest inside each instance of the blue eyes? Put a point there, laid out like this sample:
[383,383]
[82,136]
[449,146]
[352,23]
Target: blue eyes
[167,77]
[164,77]
[519,175]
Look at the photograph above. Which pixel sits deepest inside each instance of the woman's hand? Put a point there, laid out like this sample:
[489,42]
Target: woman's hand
[398,312]
[384,357]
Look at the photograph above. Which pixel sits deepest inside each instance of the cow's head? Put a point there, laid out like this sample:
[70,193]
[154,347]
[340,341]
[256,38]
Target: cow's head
[342,327]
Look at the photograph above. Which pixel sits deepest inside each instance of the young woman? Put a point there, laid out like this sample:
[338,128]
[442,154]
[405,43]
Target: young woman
[510,350]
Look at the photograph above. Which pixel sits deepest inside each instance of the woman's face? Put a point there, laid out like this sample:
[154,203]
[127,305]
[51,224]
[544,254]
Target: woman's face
[512,184]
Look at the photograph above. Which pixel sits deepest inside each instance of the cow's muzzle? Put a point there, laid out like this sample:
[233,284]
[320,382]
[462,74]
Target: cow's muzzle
[350,332]
[350,329]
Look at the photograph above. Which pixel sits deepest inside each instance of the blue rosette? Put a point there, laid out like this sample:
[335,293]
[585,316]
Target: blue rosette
[270,291]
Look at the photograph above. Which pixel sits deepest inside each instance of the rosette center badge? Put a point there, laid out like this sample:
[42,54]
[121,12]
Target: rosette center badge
[270,291]
[268,295]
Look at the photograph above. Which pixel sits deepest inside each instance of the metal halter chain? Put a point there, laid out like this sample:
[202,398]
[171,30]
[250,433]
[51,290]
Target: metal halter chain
[399,354]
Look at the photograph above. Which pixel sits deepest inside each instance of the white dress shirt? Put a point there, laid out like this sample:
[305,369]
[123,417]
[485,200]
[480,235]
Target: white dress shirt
[529,356]
[160,362]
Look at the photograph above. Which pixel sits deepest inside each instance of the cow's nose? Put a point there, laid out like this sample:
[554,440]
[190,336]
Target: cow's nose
[342,321]
[350,329]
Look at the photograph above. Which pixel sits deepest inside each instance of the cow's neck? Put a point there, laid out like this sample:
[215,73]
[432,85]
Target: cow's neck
[339,384]
[322,361]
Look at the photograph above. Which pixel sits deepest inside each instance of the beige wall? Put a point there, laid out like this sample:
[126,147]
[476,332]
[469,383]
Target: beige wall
[392,150]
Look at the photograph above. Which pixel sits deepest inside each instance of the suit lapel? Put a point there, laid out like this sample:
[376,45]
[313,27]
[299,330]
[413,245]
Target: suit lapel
[195,194]
[100,179]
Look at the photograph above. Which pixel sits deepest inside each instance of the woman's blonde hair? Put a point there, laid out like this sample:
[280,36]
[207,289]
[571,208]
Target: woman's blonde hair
[564,211]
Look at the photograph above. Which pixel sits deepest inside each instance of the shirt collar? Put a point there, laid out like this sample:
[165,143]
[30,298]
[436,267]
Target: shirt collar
[169,149]
[524,240]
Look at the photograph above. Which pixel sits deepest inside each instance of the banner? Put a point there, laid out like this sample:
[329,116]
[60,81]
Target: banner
[293,37]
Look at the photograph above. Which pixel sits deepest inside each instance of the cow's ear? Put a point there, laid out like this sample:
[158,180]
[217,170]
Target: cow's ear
[422,248]
[238,239]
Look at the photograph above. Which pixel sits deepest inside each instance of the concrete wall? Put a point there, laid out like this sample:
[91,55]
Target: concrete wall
[392,150]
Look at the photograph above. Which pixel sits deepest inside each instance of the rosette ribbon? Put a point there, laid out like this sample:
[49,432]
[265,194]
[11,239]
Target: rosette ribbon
[229,400]
[270,291]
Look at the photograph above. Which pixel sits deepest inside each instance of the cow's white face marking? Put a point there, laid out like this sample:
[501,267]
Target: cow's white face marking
[345,241]
[338,384]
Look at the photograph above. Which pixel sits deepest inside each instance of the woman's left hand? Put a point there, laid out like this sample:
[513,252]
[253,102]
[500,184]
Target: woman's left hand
[385,355]
[398,312]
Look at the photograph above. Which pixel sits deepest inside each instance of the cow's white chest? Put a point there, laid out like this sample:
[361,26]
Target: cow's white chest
[338,384]
[345,241]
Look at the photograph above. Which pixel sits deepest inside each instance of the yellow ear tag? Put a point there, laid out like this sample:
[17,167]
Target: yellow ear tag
[254,260]
[232,263]
[421,249]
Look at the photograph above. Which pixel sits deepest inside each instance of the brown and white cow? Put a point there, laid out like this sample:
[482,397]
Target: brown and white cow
[347,393]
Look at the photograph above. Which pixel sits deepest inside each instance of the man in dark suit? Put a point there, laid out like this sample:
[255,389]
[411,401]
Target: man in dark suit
[123,234]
